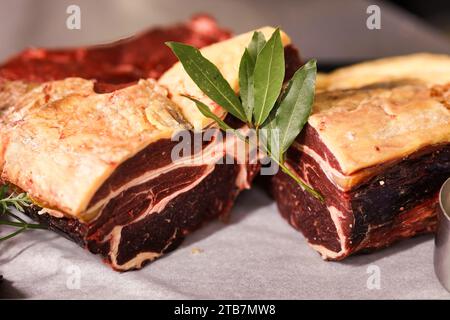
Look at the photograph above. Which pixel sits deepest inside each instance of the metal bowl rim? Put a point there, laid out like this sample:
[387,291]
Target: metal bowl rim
[445,186]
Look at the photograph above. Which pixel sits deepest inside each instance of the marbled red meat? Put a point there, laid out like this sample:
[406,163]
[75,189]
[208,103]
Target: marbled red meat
[211,193]
[397,203]
[124,61]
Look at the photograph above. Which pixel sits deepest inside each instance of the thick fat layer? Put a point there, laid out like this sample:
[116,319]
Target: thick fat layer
[434,70]
[60,145]
[388,121]
[226,55]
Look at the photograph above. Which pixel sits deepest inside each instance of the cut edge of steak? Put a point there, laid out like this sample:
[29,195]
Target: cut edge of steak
[138,222]
[399,202]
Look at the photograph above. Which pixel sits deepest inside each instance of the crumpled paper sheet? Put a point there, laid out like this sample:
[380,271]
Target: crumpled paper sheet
[257,255]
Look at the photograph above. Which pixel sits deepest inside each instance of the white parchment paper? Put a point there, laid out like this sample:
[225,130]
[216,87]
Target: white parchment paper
[256,255]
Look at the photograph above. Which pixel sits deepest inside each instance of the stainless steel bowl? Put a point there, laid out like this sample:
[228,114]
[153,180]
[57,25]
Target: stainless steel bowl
[442,240]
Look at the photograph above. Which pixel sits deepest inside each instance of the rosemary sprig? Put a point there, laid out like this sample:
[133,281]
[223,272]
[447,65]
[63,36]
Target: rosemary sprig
[261,104]
[8,218]
[17,201]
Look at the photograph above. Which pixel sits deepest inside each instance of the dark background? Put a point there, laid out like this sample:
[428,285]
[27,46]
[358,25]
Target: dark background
[435,12]
[329,30]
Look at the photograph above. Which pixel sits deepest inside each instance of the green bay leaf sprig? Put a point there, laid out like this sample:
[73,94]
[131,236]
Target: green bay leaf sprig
[268,78]
[262,103]
[18,201]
